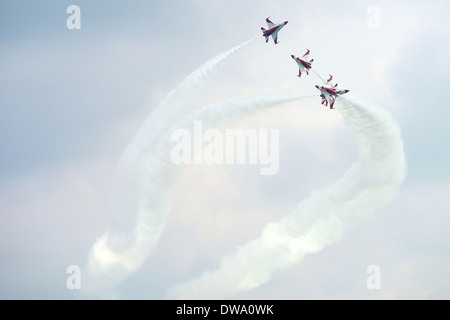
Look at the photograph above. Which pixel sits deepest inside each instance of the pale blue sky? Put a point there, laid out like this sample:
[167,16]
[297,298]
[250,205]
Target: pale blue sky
[71,100]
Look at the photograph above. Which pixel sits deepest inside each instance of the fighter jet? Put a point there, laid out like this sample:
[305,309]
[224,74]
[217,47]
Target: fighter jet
[303,63]
[273,30]
[329,92]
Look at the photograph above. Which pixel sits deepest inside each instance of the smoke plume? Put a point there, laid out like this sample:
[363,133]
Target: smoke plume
[142,203]
[319,220]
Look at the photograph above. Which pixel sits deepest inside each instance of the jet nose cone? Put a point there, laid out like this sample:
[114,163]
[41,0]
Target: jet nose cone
[292,56]
[317,86]
[346,90]
[286,22]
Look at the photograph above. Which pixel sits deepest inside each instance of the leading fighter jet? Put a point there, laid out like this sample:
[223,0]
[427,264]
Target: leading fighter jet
[329,92]
[304,64]
[273,30]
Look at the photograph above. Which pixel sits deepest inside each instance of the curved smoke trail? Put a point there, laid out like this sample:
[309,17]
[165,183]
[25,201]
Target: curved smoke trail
[117,254]
[141,189]
[143,202]
[175,100]
[319,220]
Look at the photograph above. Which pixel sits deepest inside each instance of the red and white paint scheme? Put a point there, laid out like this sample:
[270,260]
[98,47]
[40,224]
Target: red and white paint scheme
[273,30]
[304,64]
[329,92]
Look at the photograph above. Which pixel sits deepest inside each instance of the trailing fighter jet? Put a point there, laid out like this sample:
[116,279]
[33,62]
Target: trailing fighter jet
[329,92]
[273,30]
[303,63]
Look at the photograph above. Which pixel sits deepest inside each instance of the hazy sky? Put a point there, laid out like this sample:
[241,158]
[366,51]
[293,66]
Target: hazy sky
[71,100]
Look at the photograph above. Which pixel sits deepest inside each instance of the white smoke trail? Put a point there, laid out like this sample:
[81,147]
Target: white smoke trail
[141,205]
[164,114]
[119,253]
[319,220]
[144,199]
[318,75]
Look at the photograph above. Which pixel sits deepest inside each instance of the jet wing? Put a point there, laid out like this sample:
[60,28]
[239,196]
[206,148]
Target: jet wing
[330,82]
[306,56]
[329,99]
[275,36]
[270,24]
[299,70]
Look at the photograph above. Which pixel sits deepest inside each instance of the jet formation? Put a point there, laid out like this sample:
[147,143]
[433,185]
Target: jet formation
[328,91]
